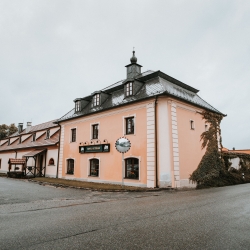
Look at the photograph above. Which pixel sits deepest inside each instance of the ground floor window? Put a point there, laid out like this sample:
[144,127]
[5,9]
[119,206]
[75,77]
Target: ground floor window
[94,167]
[51,161]
[132,168]
[70,166]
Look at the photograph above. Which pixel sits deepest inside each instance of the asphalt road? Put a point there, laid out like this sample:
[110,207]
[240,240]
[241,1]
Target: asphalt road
[44,217]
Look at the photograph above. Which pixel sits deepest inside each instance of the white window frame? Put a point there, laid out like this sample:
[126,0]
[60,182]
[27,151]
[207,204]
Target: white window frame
[70,135]
[124,124]
[88,167]
[139,159]
[91,130]
[34,135]
[77,106]
[127,87]
[96,101]
[66,166]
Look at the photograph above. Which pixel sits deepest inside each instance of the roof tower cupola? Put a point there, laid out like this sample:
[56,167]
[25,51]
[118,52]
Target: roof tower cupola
[133,69]
[133,59]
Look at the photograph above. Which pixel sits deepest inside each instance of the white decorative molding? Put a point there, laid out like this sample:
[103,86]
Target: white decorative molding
[61,153]
[175,145]
[151,145]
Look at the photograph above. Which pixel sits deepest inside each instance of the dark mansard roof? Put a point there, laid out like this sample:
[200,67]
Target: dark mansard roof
[154,83]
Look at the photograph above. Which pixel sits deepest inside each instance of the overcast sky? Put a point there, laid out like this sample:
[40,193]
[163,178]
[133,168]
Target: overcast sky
[52,52]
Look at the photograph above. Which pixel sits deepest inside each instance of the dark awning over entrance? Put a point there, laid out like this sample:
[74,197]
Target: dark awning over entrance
[34,153]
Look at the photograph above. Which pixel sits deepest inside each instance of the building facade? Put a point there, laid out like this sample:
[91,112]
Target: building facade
[38,145]
[157,113]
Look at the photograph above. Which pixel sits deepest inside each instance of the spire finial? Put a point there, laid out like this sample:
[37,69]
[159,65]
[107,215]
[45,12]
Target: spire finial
[133,59]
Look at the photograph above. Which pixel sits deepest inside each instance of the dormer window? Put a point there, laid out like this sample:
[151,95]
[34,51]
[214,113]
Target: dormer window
[20,140]
[129,89]
[48,134]
[33,137]
[96,100]
[78,106]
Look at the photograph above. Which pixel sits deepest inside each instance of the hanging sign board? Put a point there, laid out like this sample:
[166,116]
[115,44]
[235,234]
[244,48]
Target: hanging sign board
[100,148]
[123,145]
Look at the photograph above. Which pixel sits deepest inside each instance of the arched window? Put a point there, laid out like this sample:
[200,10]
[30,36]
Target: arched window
[94,167]
[70,166]
[132,168]
[51,161]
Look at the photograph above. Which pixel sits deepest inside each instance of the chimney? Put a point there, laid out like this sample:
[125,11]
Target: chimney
[20,127]
[28,128]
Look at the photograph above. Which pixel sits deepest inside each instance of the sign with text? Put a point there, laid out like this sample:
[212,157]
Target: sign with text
[99,148]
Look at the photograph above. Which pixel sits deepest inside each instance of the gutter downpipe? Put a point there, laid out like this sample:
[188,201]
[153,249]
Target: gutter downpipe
[156,147]
[58,151]
[15,157]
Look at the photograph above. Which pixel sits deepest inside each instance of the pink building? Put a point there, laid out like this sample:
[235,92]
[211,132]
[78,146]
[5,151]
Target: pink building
[157,113]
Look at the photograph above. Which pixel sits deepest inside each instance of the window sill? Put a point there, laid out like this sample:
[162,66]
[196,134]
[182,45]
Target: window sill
[126,178]
[72,142]
[91,176]
[51,165]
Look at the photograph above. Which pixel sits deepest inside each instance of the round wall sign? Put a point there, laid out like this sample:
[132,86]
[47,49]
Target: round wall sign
[122,145]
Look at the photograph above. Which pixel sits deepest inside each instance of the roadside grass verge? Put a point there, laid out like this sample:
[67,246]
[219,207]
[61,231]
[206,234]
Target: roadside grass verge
[88,185]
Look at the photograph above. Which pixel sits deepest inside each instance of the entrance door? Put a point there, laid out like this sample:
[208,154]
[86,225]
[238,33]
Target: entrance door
[41,166]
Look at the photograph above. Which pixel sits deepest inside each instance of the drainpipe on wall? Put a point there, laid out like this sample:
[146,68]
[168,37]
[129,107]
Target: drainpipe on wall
[15,158]
[156,155]
[58,151]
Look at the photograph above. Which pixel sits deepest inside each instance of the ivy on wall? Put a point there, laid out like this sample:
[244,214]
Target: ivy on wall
[212,163]
[215,168]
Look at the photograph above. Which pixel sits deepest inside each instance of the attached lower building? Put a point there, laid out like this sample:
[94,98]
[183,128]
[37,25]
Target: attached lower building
[158,114]
[32,151]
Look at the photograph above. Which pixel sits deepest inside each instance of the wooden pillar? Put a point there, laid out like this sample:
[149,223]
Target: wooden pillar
[45,162]
[35,166]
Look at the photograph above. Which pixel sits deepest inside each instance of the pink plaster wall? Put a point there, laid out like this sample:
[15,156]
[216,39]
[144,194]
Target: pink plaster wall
[110,128]
[190,152]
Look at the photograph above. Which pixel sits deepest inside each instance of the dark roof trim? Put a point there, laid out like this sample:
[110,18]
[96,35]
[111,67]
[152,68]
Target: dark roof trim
[133,64]
[168,78]
[31,133]
[24,148]
[139,100]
